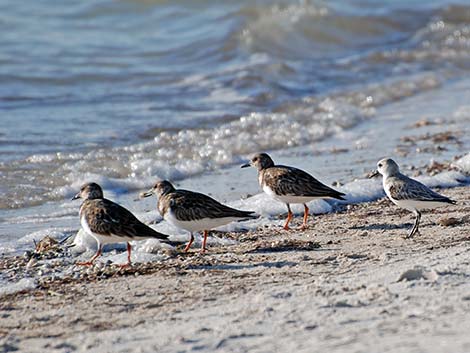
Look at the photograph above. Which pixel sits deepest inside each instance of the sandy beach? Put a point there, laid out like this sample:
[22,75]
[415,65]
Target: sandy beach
[128,93]
[350,283]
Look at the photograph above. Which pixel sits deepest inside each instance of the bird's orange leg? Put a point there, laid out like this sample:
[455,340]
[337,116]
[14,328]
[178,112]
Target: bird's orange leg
[203,249]
[128,264]
[190,243]
[289,217]
[304,224]
[90,262]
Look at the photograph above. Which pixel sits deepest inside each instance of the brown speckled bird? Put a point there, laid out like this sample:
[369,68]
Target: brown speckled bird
[193,211]
[290,185]
[109,222]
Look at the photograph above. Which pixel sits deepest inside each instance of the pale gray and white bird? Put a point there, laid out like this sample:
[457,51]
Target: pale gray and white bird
[290,185]
[408,193]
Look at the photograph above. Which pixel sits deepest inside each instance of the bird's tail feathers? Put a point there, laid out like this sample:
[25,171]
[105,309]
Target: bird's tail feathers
[339,196]
[173,243]
[249,215]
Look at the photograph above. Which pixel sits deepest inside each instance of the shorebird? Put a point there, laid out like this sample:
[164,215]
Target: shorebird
[109,222]
[193,211]
[408,193]
[290,185]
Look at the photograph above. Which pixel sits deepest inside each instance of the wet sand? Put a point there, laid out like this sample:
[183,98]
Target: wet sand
[350,283]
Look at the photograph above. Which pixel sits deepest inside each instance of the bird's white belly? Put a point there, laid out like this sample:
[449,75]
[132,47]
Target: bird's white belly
[103,239]
[412,205]
[288,198]
[200,224]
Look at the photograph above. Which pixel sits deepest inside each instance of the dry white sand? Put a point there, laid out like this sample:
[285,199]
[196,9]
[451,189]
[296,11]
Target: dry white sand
[365,289]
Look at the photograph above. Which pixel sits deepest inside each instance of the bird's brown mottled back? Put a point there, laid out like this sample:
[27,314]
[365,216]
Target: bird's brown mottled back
[285,180]
[105,217]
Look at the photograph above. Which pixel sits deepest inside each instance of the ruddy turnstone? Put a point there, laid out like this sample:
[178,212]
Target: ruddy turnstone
[408,193]
[109,222]
[193,211]
[290,185]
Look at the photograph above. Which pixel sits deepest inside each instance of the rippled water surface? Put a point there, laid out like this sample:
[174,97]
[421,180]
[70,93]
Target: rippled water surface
[124,92]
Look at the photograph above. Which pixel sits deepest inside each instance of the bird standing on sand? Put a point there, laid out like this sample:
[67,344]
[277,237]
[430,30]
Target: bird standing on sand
[408,193]
[109,222]
[193,211]
[290,185]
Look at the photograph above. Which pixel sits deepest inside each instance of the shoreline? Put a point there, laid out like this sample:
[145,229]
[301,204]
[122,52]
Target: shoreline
[421,131]
[348,283]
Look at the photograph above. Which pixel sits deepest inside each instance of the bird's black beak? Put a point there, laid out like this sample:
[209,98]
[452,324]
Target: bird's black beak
[77,196]
[246,165]
[146,194]
[373,174]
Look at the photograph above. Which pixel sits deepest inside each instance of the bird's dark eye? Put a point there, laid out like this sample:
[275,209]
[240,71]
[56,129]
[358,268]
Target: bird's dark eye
[380,165]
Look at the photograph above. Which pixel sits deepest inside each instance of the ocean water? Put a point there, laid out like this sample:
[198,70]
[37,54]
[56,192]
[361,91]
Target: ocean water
[127,92]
